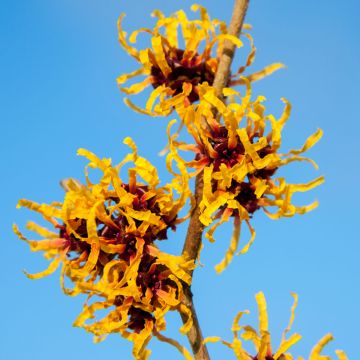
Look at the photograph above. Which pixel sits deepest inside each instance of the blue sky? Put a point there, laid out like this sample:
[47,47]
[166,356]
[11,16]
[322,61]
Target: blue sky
[58,65]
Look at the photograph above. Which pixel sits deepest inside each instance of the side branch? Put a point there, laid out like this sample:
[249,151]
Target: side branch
[193,239]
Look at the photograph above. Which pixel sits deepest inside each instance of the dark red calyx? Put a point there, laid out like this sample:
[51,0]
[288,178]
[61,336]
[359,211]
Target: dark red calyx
[150,275]
[193,71]
[137,318]
[225,155]
[270,357]
[245,196]
[76,245]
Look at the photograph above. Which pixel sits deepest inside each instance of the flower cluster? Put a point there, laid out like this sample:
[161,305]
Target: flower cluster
[106,231]
[104,239]
[236,143]
[238,153]
[174,71]
[261,340]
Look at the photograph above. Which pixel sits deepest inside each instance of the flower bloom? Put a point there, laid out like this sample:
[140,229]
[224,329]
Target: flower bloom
[176,72]
[261,340]
[238,152]
[104,239]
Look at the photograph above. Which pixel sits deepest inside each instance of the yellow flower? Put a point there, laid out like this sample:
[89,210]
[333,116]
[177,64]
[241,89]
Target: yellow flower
[104,237]
[238,152]
[137,297]
[262,342]
[175,72]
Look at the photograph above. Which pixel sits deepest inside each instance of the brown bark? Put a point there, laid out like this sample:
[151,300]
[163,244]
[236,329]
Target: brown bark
[193,239]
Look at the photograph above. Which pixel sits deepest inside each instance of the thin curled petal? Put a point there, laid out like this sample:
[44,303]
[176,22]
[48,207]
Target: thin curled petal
[176,344]
[51,269]
[317,349]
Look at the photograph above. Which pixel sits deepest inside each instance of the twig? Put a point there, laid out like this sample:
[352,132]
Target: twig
[226,58]
[193,239]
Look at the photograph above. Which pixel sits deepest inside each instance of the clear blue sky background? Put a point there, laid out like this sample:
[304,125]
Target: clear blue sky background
[58,64]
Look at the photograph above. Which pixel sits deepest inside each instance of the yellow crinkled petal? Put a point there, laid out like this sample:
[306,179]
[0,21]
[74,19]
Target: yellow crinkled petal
[153,96]
[172,33]
[71,184]
[205,18]
[131,144]
[42,245]
[290,357]
[30,225]
[238,350]
[285,345]
[17,232]
[47,244]
[113,249]
[299,158]
[246,248]
[263,317]
[193,42]
[132,270]
[232,248]
[225,176]
[251,150]
[317,349]
[220,38]
[264,346]
[189,322]
[292,315]
[205,217]
[178,265]
[138,109]
[169,298]
[174,343]
[308,186]
[261,186]
[52,267]
[136,88]
[225,217]
[156,42]
[275,132]
[251,334]
[227,91]
[88,313]
[122,39]
[47,211]
[286,113]
[236,326]
[212,339]
[178,101]
[125,77]
[95,161]
[212,99]
[147,216]
[341,355]
[67,291]
[251,57]
[145,58]
[141,340]
[186,33]
[157,13]
[91,227]
[235,40]
[268,70]
[112,266]
[309,143]
[147,171]
[134,34]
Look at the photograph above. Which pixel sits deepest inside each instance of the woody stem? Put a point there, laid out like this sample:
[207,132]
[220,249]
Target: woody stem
[193,238]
